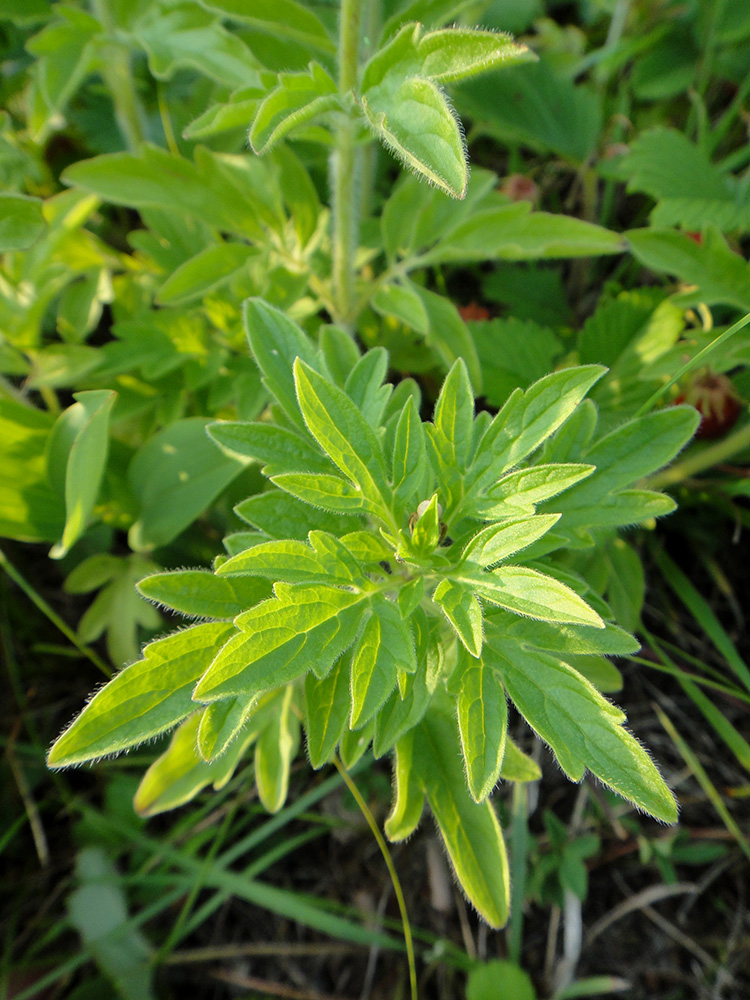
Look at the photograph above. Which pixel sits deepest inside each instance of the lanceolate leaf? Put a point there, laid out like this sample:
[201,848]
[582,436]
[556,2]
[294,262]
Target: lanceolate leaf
[499,541]
[201,594]
[463,611]
[325,559]
[529,592]
[301,628]
[482,725]
[180,773]
[385,647]
[340,429]
[144,699]
[471,831]
[332,493]
[526,420]
[327,705]
[275,749]
[279,449]
[582,727]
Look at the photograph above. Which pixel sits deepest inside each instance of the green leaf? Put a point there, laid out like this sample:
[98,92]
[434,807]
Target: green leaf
[457,53]
[275,342]
[276,748]
[184,36]
[690,190]
[514,352]
[471,831]
[21,221]
[528,592]
[463,611]
[402,303]
[414,120]
[324,560]
[87,421]
[453,422]
[406,706]
[284,19]
[526,421]
[628,453]
[117,609]
[180,773]
[364,385]
[717,273]
[221,723]
[278,449]
[499,978]
[499,541]
[561,638]
[449,335]
[582,727]
[301,628]
[535,106]
[340,429]
[208,270]
[280,515]
[30,509]
[409,462]
[175,476]
[408,801]
[518,766]
[203,594]
[155,178]
[515,232]
[385,647]
[332,493]
[299,99]
[482,725]
[144,699]
[524,489]
[327,706]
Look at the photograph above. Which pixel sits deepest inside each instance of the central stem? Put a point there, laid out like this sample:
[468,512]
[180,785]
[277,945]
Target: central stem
[345,169]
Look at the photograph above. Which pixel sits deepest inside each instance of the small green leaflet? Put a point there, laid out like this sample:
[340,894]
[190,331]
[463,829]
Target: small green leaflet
[276,747]
[298,99]
[582,727]
[324,559]
[385,647]
[499,541]
[327,706]
[144,699]
[463,611]
[180,773]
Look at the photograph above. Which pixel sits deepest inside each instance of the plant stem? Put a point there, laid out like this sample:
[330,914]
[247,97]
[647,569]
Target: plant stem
[56,620]
[345,169]
[408,940]
[118,76]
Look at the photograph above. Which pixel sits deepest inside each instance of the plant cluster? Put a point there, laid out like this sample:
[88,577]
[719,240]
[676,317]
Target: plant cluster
[418,407]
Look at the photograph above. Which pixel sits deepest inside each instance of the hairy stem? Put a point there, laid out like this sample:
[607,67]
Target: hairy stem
[345,169]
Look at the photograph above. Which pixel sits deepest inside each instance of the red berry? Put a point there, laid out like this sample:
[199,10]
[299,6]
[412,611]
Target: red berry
[717,402]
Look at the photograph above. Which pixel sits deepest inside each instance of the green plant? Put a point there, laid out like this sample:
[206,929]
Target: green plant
[419,573]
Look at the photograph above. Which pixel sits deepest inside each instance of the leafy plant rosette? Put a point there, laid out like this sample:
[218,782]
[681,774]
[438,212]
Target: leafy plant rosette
[397,583]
